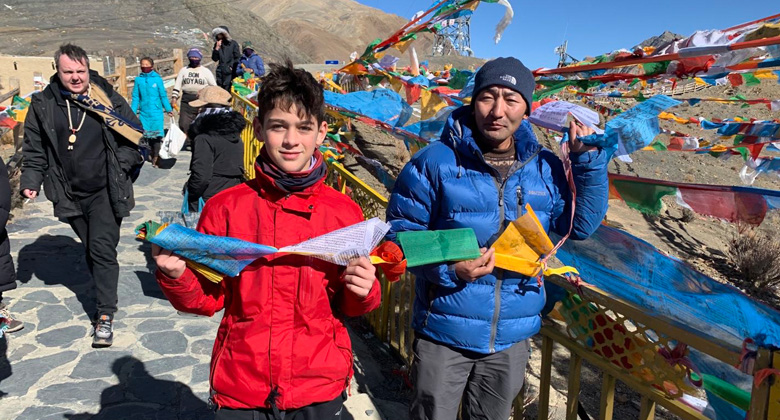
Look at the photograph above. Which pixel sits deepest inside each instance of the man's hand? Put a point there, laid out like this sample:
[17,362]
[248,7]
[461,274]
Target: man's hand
[29,193]
[474,269]
[578,130]
[360,276]
[169,263]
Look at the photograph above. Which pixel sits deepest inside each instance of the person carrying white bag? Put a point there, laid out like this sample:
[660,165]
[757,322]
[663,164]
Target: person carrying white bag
[217,150]
[173,141]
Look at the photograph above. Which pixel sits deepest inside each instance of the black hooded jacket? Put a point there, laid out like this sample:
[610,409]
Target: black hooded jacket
[217,155]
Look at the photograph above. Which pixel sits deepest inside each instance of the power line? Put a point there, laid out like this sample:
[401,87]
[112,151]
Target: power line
[124,17]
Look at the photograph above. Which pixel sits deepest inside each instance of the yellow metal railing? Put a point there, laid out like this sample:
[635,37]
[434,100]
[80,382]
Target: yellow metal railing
[252,146]
[392,324]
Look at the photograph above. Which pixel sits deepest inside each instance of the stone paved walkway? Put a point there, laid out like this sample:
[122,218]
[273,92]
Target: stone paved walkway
[158,366]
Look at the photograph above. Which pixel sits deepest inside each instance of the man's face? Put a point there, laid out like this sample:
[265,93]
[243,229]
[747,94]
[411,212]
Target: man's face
[290,140]
[498,112]
[73,74]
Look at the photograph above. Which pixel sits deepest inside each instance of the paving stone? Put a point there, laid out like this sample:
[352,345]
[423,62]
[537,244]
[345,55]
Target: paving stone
[49,315]
[29,328]
[28,372]
[62,336]
[31,224]
[199,330]
[132,411]
[170,342]
[22,306]
[200,373]
[202,347]
[167,364]
[99,364]
[43,413]
[85,392]
[154,325]
[150,314]
[20,352]
[44,296]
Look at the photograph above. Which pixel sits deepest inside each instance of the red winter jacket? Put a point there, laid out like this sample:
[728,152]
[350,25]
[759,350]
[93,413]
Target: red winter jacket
[282,327]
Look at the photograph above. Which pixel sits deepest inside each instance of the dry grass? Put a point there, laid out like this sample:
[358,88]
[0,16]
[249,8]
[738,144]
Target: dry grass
[754,255]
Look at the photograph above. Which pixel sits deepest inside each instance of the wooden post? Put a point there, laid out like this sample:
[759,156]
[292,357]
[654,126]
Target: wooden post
[178,55]
[544,382]
[121,70]
[646,408]
[573,394]
[607,397]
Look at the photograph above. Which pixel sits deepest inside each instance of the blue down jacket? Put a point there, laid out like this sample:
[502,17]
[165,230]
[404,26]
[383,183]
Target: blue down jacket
[448,185]
[149,101]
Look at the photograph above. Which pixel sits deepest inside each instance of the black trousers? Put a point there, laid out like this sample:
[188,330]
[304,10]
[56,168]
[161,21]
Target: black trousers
[330,410]
[98,230]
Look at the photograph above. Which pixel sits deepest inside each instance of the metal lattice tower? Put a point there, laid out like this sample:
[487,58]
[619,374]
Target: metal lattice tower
[453,38]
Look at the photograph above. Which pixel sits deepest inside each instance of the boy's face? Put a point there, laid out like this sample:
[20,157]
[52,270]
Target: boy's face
[290,140]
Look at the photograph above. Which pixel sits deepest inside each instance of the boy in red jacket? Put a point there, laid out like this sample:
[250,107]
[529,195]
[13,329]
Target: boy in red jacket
[282,350]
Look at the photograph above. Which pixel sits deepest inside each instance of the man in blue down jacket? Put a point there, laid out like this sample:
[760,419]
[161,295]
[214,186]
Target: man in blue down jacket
[472,320]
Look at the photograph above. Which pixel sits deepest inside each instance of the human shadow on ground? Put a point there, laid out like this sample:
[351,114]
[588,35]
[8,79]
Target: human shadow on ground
[58,260]
[141,396]
[5,364]
[148,281]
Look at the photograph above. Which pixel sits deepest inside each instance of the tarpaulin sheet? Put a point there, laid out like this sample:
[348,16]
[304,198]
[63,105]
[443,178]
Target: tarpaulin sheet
[632,269]
[380,104]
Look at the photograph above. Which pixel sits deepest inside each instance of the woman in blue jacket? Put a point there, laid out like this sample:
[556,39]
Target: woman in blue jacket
[472,320]
[150,100]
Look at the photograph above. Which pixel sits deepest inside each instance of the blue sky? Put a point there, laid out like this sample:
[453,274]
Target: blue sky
[591,27]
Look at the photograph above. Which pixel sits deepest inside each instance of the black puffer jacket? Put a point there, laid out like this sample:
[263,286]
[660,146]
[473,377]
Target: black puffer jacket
[217,155]
[7,272]
[42,164]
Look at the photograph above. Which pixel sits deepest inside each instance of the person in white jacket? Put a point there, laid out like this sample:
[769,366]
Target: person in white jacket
[189,82]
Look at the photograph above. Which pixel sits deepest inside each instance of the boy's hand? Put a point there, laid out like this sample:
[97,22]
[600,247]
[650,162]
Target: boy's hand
[360,276]
[476,268]
[169,263]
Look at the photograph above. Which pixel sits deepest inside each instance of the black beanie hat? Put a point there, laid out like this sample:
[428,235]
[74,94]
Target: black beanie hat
[509,72]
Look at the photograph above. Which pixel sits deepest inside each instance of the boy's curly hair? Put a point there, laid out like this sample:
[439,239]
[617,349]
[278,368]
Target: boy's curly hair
[285,86]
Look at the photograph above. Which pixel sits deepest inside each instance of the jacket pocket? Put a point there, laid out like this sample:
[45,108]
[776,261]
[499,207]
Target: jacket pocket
[50,188]
[342,341]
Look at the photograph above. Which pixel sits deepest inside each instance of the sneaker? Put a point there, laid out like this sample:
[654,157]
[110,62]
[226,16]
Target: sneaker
[103,334]
[7,322]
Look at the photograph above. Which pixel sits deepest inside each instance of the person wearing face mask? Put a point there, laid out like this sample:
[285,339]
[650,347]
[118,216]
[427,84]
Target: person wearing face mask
[149,102]
[189,82]
[226,53]
[250,62]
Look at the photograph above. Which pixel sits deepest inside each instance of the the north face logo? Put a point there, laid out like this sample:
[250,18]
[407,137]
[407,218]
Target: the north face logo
[509,79]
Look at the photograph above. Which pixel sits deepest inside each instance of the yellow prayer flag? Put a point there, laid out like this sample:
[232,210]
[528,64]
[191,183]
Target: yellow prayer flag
[430,104]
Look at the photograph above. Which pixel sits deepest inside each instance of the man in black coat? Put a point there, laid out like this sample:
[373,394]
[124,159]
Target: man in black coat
[7,271]
[226,53]
[85,166]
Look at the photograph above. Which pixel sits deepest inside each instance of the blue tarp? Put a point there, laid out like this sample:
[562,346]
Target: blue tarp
[632,269]
[380,104]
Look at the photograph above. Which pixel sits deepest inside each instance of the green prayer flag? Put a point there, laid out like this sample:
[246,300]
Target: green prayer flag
[750,79]
[657,145]
[643,197]
[655,68]
[437,246]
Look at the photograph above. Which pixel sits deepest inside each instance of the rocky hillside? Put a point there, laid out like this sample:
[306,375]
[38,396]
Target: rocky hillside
[307,31]
[329,29]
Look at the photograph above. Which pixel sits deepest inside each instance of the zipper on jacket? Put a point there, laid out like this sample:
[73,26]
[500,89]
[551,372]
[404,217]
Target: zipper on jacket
[213,392]
[501,214]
